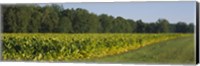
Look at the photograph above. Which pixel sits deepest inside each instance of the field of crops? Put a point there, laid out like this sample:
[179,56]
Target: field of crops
[70,47]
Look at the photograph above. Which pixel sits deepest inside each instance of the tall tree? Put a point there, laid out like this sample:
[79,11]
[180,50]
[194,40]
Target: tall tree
[181,27]
[65,25]
[93,23]
[133,25]
[35,21]
[163,25]
[70,13]
[23,18]
[50,19]
[151,28]
[191,28]
[120,25]
[140,26]
[9,19]
[105,22]
[172,28]
[80,21]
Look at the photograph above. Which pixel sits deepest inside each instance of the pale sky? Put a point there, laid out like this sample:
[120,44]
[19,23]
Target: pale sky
[147,11]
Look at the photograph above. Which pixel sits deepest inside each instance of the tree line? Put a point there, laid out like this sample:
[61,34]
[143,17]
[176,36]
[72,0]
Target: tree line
[55,19]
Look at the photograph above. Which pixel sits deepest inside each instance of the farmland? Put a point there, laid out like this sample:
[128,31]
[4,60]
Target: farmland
[175,51]
[70,47]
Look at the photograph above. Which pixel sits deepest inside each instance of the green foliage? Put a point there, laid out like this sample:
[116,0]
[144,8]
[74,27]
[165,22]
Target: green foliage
[65,25]
[34,23]
[9,20]
[163,25]
[106,23]
[69,47]
[80,21]
[191,28]
[50,19]
[53,18]
[181,30]
[133,25]
[120,25]
[140,26]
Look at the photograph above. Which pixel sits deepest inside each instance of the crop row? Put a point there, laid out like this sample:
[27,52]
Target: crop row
[69,47]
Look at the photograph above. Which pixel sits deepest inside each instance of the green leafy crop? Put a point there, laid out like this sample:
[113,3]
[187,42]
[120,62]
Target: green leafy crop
[71,47]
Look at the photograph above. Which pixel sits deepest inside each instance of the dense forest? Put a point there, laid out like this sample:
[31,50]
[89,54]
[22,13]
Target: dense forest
[55,19]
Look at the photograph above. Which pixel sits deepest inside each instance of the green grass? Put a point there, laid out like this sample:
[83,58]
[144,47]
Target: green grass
[176,51]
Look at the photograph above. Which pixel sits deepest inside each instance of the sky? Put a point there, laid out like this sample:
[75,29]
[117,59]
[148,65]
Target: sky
[146,11]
